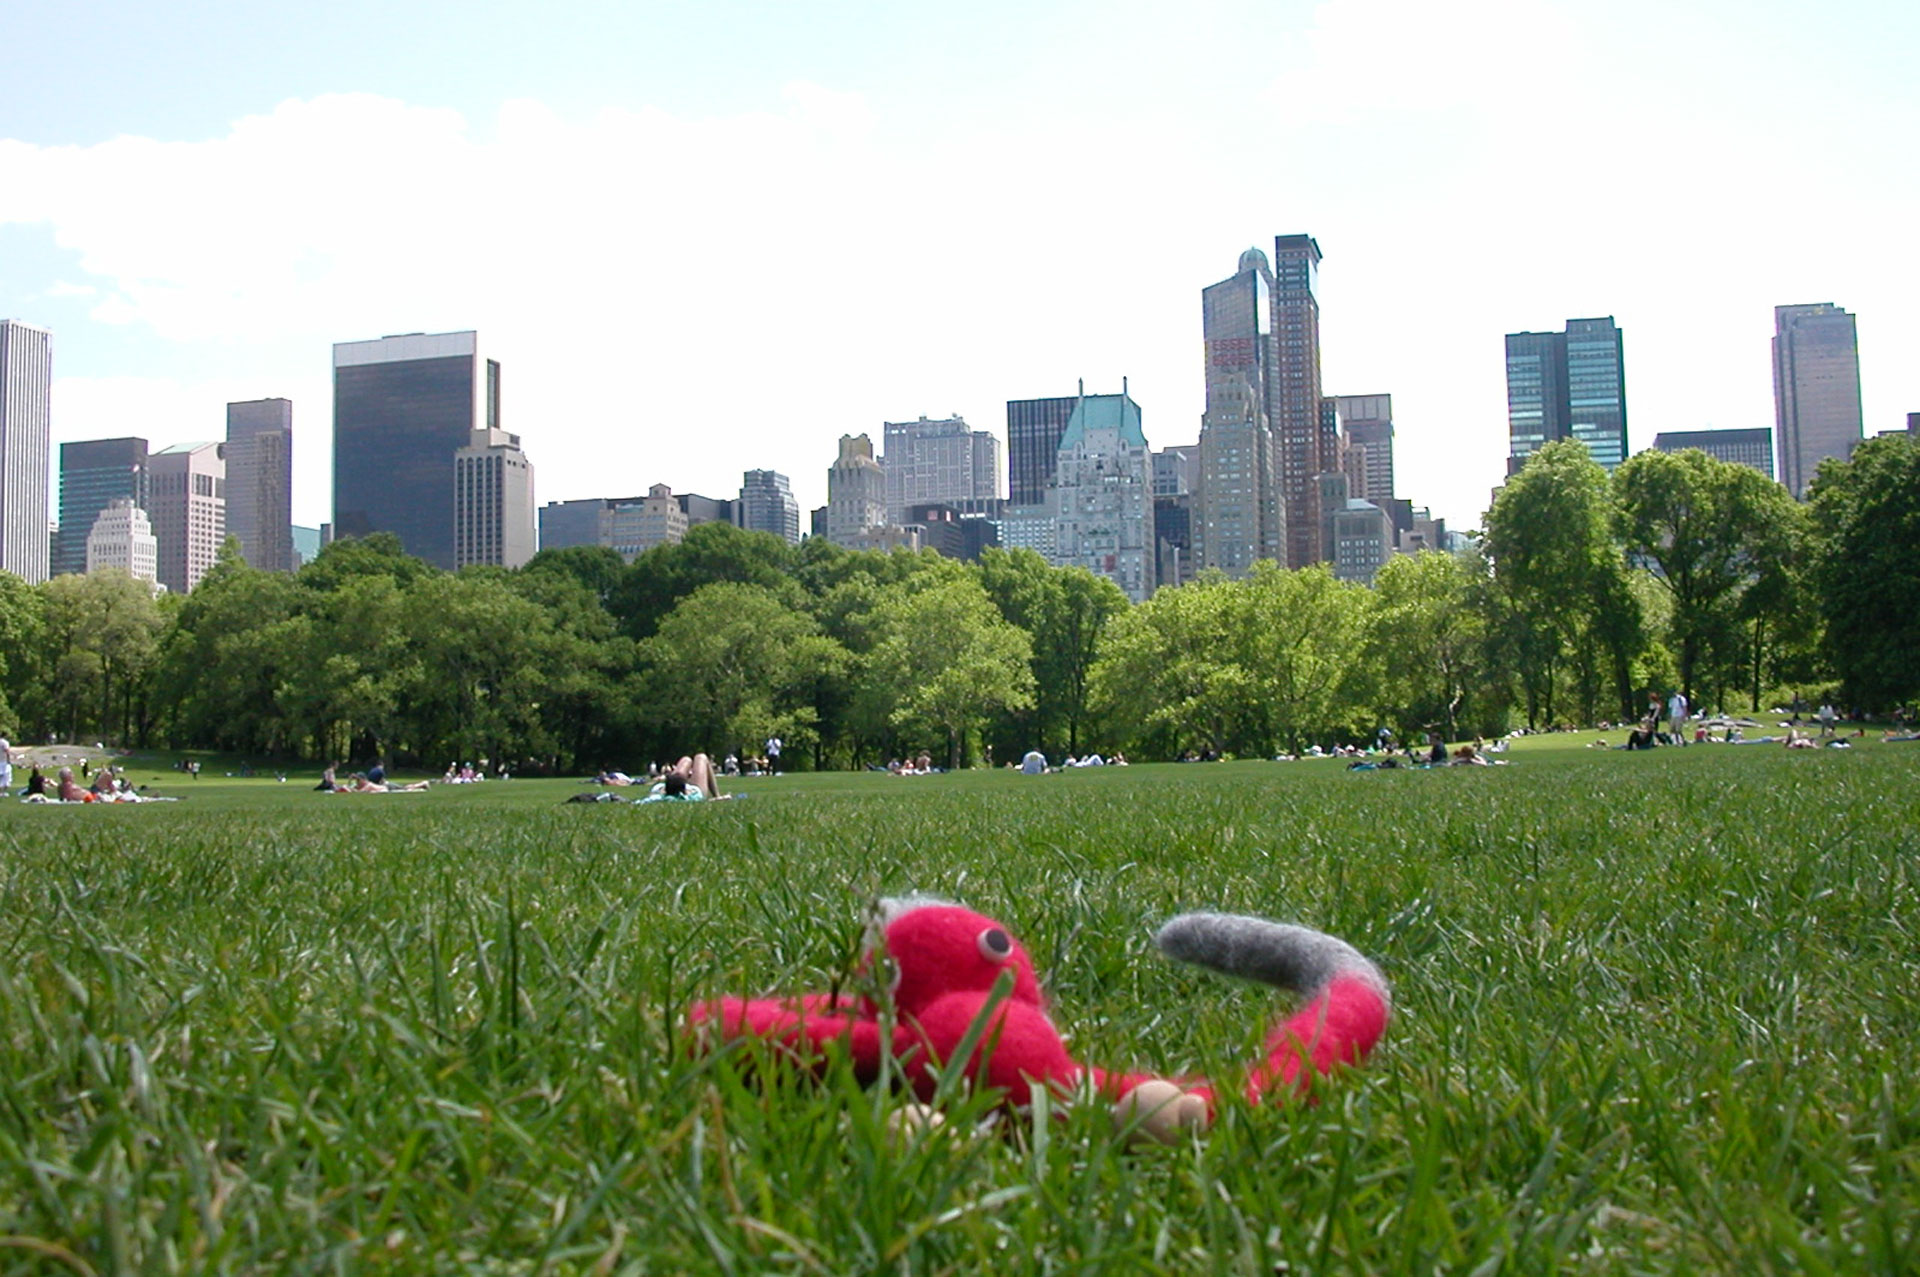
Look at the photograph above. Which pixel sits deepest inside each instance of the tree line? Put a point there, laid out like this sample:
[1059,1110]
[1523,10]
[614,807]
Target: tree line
[1584,591]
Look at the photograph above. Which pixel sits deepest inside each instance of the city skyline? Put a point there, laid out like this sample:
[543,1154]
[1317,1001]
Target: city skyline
[607,296]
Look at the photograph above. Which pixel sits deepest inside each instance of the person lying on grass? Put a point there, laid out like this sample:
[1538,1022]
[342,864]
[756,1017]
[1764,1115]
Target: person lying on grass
[359,784]
[688,781]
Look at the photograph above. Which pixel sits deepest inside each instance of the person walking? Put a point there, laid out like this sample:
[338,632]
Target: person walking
[773,755]
[1677,716]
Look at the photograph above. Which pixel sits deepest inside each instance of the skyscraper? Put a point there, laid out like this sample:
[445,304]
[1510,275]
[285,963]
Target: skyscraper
[1366,423]
[1239,514]
[492,502]
[94,473]
[1103,487]
[122,537]
[941,462]
[26,445]
[767,505]
[1570,385]
[402,407]
[186,500]
[1753,447]
[260,482]
[856,491]
[1034,427]
[1306,441]
[1816,389]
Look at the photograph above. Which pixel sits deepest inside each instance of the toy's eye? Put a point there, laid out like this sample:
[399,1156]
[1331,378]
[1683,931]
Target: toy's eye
[995,945]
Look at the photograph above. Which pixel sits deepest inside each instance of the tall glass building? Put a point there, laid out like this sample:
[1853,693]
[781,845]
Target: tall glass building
[767,505]
[94,473]
[1238,514]
[260,482]
[1567,385]
[1034,427]
[1816,389]
[26,440]
[402,407]
[1306,442]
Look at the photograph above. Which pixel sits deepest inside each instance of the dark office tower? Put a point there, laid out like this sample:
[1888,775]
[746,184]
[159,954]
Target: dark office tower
[1597,389]
[767,505]
[699,509]
[1237,516]
[260,482]
[402,407]
[1570,385]
[1366,423]
[1816,389]
[93,475]
[1752,447]
[1034,427]
[1306,444]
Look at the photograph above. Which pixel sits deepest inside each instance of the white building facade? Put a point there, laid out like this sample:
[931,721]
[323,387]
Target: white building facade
[492,502]
[944,462]
[26,448]
[856,492]
[1103,494]
[122,537]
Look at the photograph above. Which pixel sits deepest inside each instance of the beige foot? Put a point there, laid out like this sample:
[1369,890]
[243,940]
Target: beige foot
[1159,1111]
[910,1120]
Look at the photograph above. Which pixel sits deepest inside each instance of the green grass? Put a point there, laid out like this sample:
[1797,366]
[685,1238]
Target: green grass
[1654,1013]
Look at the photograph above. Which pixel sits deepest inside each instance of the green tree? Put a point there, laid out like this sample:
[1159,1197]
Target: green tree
[949,660]
[1428,638]
[477,664]
[1064,611]
[711,552]
[732,665]
[23,624]
[376,554]
[1714,532]
[596,568]
[1169,671]
[103,637]
[1866,515]
[235,644]
[1300,637]
[1563,613]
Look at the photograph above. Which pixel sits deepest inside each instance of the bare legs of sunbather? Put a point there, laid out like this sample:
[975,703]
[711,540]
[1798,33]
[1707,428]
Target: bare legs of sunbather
[698,771]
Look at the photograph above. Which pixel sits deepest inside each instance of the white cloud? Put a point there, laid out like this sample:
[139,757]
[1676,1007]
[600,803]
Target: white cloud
[677,298]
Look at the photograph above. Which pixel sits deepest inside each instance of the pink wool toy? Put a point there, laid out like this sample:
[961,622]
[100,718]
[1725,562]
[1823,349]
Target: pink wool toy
[951,966]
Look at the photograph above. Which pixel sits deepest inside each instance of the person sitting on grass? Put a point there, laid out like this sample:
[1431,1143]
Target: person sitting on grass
[688,781]
[69,790]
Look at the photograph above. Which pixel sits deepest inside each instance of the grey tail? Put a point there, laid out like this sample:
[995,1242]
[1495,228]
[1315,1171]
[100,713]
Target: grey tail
[1276,953]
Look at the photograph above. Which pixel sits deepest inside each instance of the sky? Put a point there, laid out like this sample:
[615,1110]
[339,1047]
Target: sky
[703,236]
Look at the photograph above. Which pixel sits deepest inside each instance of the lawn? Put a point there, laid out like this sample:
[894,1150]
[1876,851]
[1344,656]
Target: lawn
[1655,1012]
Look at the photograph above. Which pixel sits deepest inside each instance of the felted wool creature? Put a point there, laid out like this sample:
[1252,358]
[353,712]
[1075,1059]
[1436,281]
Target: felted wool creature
[951,968]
